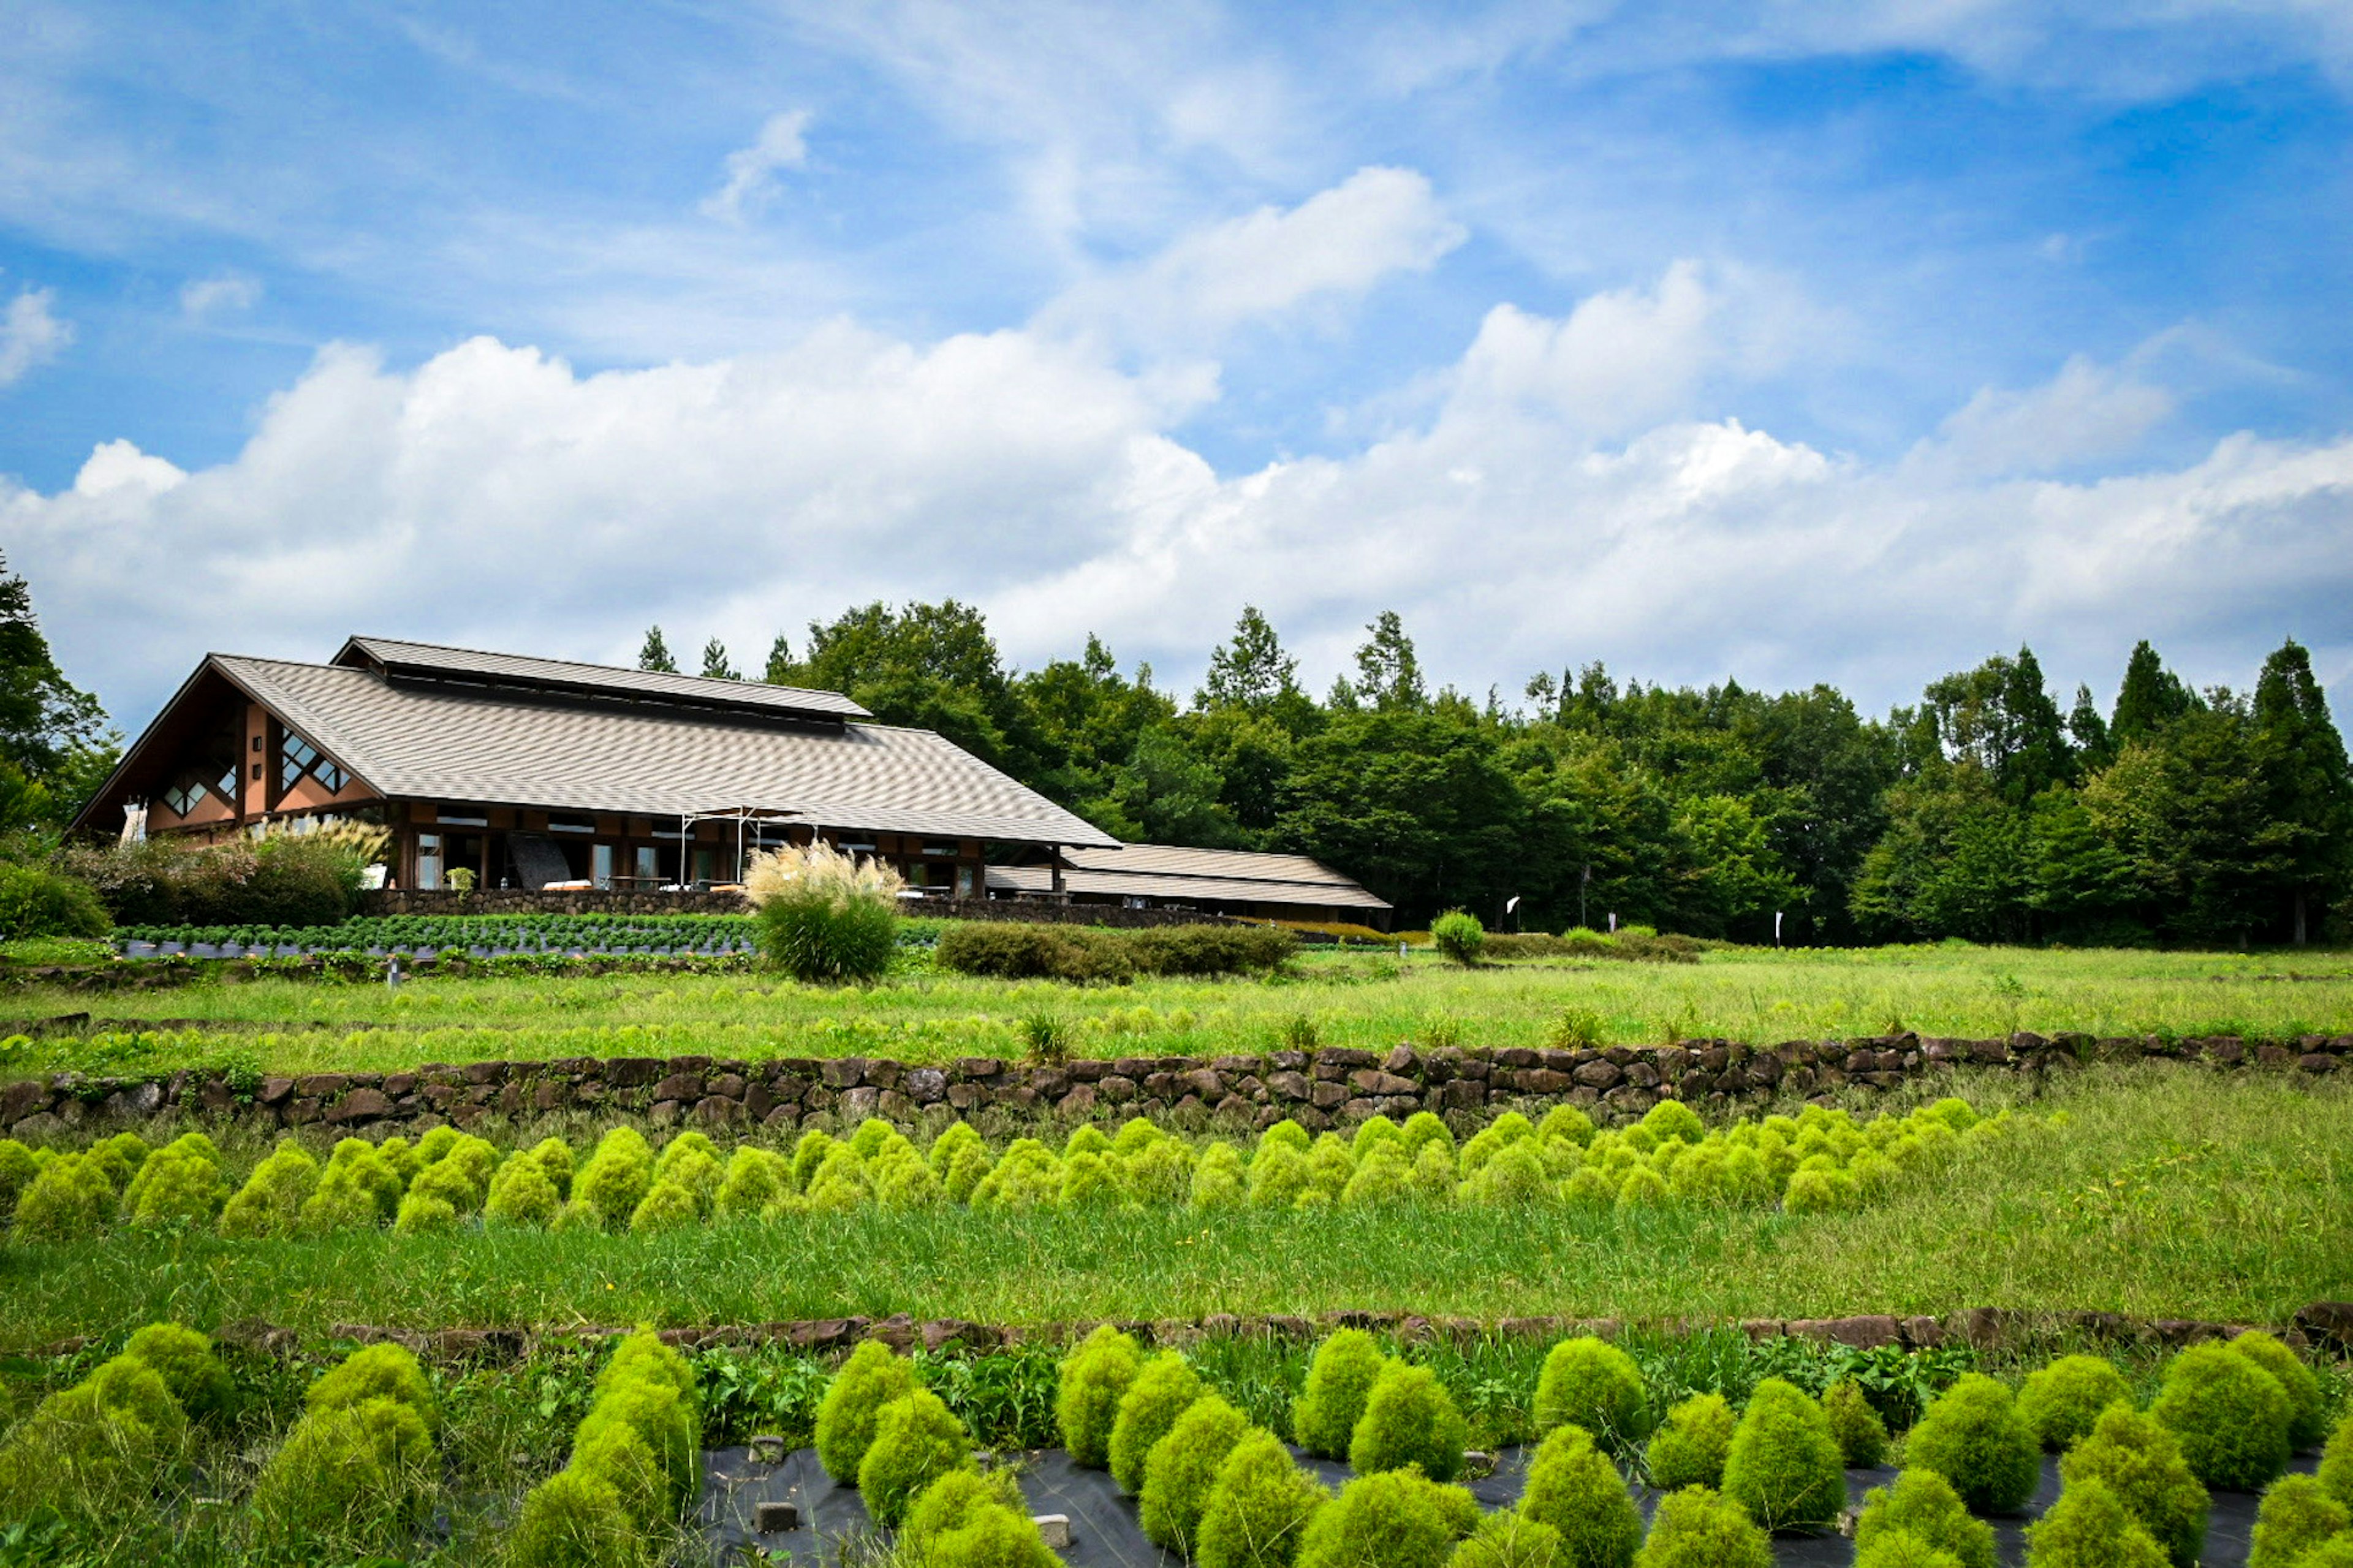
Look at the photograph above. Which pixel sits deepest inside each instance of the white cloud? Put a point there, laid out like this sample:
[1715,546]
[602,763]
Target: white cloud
[752,171]
[2085,414]
[31,334]
[204,297]
[1337,244]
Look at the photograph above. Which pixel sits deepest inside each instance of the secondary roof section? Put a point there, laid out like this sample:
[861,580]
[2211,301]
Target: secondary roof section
[1169,871]
[402,662]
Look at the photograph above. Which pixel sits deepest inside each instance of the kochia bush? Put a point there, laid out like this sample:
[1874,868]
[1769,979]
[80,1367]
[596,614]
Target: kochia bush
[2297,1515]
[916,1441]
[966,1520]
[1688,1450]
[1594,1385]
[1784,1466]
[1182,1470]
[2309,1423]
[378,1371]
[1324,1418]
[2062,1400]
[1924,1505]
[1510,1540]
[1259,1508]
[1409,1419]
[1396,1519]
[354,1475]
[69,1199]
[2229,1416]
[96,1448]
[1458,935]
[183,1359]
[1573,1487]
[1862,1436]
[1095,1377]
[270,1202]
[576,1521]
[1974,1437]
[1695,1528]
[2089,1528]
[1902,1548]
[182,1182]
[1164,1388]
[2141,1464]
[872,1378]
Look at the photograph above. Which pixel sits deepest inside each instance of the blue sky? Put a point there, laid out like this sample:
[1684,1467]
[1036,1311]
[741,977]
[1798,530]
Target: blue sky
[1846,341]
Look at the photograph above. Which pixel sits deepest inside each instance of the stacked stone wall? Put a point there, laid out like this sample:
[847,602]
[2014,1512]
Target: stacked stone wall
[441,902]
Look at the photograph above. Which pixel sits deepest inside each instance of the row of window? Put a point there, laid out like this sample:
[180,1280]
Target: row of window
[297,759]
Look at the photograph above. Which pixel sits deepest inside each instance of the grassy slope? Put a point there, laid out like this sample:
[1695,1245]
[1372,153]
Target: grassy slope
[1353,1000]
[2159,1191]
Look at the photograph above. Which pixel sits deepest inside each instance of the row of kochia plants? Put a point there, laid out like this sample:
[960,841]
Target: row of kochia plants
[1819,1161]
[360,1469]
[437,933]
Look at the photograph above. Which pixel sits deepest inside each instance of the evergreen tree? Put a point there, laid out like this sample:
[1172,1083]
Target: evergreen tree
[2089,731]
[1251,671]
[655,654]
[714,662]
[1388,674]
[2151,698]
[2309,795]
[780,662]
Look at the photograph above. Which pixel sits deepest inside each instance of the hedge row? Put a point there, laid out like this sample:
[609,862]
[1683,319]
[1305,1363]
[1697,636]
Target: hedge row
[1818,1161]
[635,1465]
[1006,950]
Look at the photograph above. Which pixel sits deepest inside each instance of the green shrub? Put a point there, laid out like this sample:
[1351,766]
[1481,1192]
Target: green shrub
[36,902]
[270,1202]
[2334,1553]
[1209,949]
[1259,1508]
[916,1441]
[2310,1422]
[2088,1527]
[180,1182]
[69,1199]
[641,1357]
[658,1414]
[2141,1465]
[1784,1467]
[1902,1548]
[576,1521]
[666,1206]
[756,1177]
[1424,1127]
[425,1213]
[183,1359]
[1027,1177]
[354,1475]
[966,1520]
[1673,1119]
[1509,1539]
[1573,1487]
[358,1190]
[2337,1463]
[1688,1450]
[2062,1400]
[618,1454]
[872,1378]
[1409,1419]
[18,1169]
[1974,1437]
[2229,1416]
[523,1195]
[1339,1380]
[1862,1436]
[2297,1515]
[824,916]
[1923,1504]
[377,1371]
[1161,1391]
[607,1190]
[1588,1383]
[1516,1174]
[1458,936]
[119,1158]
[1821,1192]
[1695,1528]
[1094,1378]
[1182,1470]
[1397,1519]
[95,1448]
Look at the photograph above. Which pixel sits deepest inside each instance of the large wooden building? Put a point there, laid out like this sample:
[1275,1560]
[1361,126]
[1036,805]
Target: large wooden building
[532,771]
[1237,882]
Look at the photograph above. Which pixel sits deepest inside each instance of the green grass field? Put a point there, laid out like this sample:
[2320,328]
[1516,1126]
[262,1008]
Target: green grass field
[1348,999]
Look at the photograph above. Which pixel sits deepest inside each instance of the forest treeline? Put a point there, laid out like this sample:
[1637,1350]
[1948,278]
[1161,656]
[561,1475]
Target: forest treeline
[1983,811]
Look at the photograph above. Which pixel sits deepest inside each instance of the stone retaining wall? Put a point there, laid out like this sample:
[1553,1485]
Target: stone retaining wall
[601,901]
[1333,1087]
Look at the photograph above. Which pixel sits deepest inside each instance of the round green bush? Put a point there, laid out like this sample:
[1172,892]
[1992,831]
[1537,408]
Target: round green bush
[2062,1400]
[1784,1467]
[1324,1418]
[95,1448]
[1182,1470]
[1458,936]
[2337,1463]
[609,1187]
[1165,1386]
[1259,1506]
[2089,1528]
[827,930]
[1821,1192]
[916,1441]
[1383,1175]
[18,1169]
[183,1359]
[1588,1383]
[1902,1548]
[1094,1378]
[1862,1436]
[425,1213]
[119,1157]
[1279,1175]
[1673,1119]
[1688,1449]
[354,1475]
[576,1521]
[1974,1437]
[1509,1539]
[618,1454]
[36,902]
[641,1357]
[657,1413]
[2310,1424]
[1516,1174]
[1027,1177]
[2141,1465]
[666,1206]
[756,1178]
[377,1371]
[2297,1515]
[181,1182]
[999,1537]
[954,1500]
[872,1378]
[1409,1419]
[2230,1416]
[2334,1553]
[1397,1519]
[1573,1487]
[1221,1181]
[556,1162]
[270,1202]
[1924,1505]
[522,1196]
[1695,1528]
[71,1200]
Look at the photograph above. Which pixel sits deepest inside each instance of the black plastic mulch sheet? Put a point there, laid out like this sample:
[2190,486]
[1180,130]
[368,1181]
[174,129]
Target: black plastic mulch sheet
[1104,1531]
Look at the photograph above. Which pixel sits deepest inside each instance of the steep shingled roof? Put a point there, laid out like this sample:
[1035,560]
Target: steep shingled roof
[436,661]
[1171,871]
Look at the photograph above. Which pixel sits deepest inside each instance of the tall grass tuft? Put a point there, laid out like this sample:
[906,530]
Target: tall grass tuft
[825,916]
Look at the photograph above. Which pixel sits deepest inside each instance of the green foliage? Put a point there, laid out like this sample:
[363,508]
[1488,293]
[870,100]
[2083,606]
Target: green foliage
[830,930]
[2337,1462]
[2309,1423]
[1181,1472]
[966,1520]
[96,1448]
[1509,1539]
[1161,1391]
[1339,1381]
[377,1371]
[1259,1508]
[607,1190]
[1695,1528]
[2297,1515]
[183,1359]
[1013,950]
[2089,1528]
[523,1195]
[1689,1449]
[69,1199]
[1409,1419]
[37,902]
[1902,1548]
[1574,1488]
[270,1202]
[1398,1519]
[2141,1465]
[1974,1437]
[872,1378]
[352,1475]
[1458,936]
[2062,1400]
[1095,1378]
[1862,1436]
[18,1169]
[2230,1416]
[1594,1385]
[1923,1505]
[1784,1466]
[916,1441]
[576,1521]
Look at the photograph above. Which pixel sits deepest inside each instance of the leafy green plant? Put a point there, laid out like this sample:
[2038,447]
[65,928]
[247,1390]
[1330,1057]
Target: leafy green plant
[1924,1505]
[1784,1466]
[2309,1420]
[2062,1401]
[1592,1384]
[1574,1488]
[1689,1447]
[1095,1378]
[1695,1528]
[183,1359]
[1862,1436]
[1974,1437]
[872,1378]
[2230,1416]
[2089,1528]
[825,916]
[1182,1470]
[1409,1419]
[350,1475]
[1458,936]
[1162,1389]
[1399,1518]
[916,1441]
[2141,1465]
[2297,1515]
[1339,1382]
[1259,1508]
